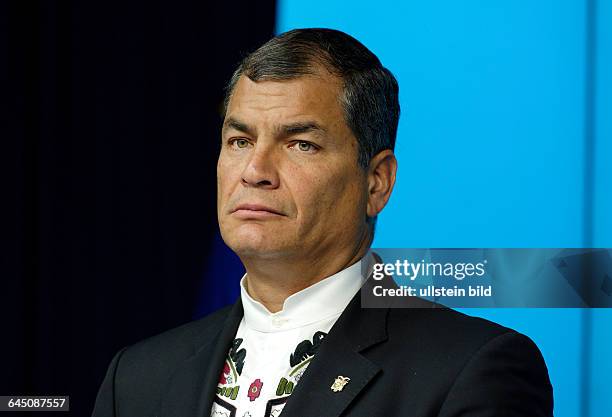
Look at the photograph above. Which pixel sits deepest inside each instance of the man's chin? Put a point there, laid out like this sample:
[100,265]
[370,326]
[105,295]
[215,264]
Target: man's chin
[255,241]
[260,253]
[254,253]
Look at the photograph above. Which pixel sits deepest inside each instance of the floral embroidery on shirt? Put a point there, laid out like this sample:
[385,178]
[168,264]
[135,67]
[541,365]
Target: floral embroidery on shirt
[255,389]
[298,362]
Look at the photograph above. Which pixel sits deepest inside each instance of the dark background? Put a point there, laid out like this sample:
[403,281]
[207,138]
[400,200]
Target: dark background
[109,141]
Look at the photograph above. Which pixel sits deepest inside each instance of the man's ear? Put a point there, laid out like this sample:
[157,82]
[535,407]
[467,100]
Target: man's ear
[381,179]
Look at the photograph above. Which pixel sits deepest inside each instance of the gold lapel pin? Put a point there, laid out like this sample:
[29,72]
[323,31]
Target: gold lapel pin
[339,383]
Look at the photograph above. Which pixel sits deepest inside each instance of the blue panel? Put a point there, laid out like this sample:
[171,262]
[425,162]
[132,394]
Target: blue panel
[490,143]
[602,222]
[491,147]
[601,364]
[601,346]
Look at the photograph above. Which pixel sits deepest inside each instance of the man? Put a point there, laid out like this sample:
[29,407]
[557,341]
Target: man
[306,164]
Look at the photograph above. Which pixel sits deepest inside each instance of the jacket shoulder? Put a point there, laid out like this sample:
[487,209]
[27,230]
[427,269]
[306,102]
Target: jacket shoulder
[144,367]
[443,323]
[439,335]
[462,363]
[184,338]
[138,373]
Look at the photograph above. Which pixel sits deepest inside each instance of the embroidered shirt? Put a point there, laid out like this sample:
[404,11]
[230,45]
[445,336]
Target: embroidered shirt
[271,351]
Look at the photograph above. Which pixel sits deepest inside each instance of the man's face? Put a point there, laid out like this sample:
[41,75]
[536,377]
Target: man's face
[289,185]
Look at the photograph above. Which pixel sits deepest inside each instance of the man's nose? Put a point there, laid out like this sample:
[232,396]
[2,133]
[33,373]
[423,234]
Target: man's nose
[261,168]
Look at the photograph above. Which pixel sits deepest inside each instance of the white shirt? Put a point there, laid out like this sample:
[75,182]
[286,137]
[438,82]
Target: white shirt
[271,351]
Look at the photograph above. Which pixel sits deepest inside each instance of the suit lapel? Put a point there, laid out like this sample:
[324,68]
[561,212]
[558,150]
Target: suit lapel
[191,390]
[339,355]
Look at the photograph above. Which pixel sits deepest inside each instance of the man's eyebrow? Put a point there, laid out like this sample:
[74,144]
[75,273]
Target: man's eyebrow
[301,127]
[235,124]
[282,130]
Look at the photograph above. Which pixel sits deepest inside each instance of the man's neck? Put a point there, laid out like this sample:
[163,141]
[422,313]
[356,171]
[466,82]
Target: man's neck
[271,282]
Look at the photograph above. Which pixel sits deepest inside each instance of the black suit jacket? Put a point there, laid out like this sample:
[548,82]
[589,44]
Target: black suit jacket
[427,361]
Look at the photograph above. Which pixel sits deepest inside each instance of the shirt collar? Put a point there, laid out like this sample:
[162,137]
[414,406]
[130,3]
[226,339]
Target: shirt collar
[324,299]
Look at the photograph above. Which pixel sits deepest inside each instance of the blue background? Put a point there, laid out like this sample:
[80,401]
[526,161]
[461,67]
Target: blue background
[503,142]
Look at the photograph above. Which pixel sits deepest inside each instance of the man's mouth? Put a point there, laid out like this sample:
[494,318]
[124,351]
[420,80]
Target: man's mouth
[255,211]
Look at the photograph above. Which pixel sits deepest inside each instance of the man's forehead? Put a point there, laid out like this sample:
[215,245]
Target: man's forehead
[310,102]
[303,91]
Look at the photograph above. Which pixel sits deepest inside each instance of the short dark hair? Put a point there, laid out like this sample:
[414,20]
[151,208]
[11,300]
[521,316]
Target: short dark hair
[370,96]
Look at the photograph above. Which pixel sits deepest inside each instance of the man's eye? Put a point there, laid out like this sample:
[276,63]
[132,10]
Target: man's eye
[240,143]
[305,146]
